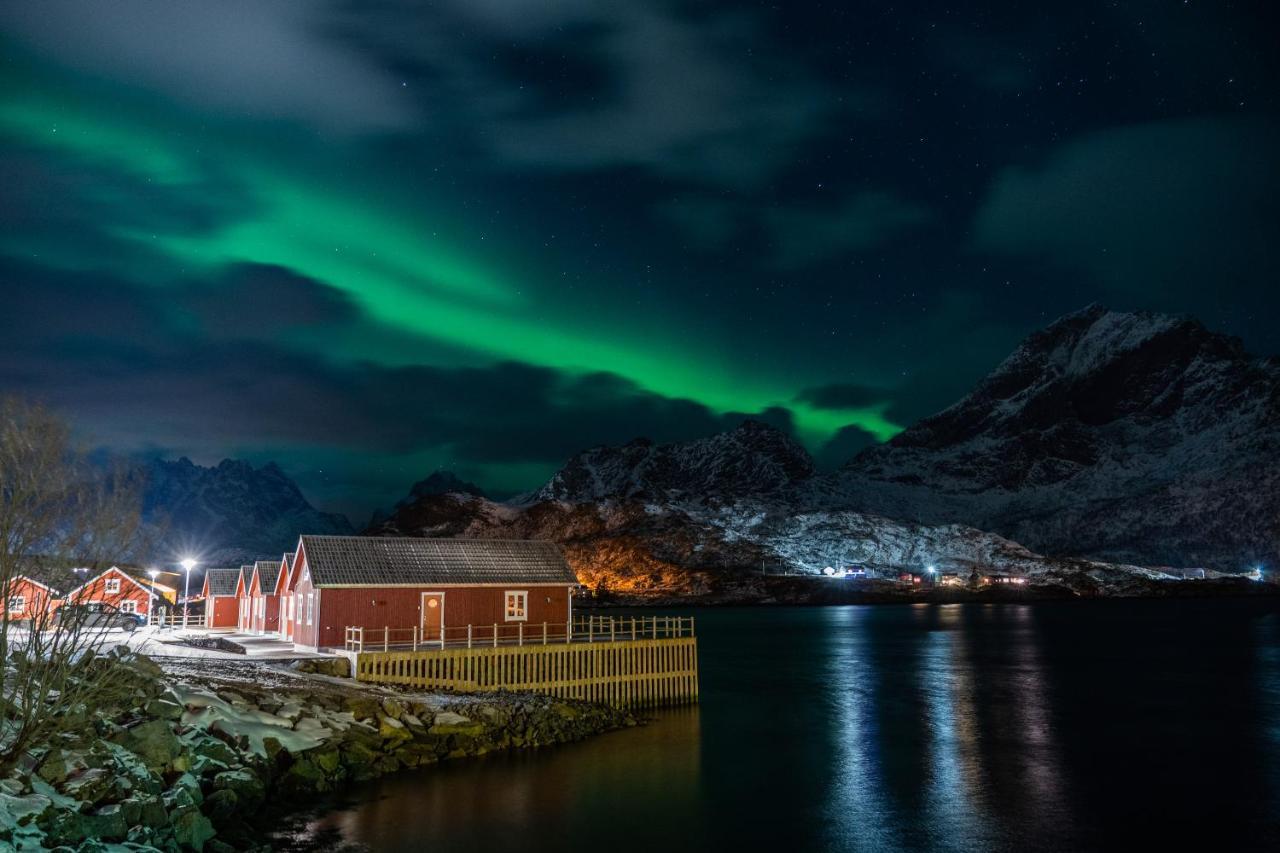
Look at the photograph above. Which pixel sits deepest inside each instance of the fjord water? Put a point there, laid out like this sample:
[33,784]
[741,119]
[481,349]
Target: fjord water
[1049,726]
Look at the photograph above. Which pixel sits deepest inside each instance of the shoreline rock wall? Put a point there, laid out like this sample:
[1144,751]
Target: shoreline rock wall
[211,750]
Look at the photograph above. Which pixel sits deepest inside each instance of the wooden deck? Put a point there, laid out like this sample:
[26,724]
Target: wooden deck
[594,665]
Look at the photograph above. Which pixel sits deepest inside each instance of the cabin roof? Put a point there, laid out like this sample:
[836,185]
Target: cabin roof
[387,561]
[221,581]
[268,573]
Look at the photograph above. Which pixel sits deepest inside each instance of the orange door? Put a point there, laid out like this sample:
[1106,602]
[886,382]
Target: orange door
[432,615]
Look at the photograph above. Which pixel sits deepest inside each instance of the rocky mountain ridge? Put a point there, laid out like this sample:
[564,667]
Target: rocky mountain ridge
[230,513]
[1105,441]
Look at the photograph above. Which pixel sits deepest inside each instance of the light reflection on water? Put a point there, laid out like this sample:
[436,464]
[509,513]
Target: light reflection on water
[1110,725]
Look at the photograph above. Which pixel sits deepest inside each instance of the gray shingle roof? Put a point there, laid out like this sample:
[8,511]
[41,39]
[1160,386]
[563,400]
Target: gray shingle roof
[222,581]
[386,561]
[268,574]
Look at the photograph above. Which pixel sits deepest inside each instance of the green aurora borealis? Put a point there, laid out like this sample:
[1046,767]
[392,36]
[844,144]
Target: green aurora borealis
[370,240]
[393,262]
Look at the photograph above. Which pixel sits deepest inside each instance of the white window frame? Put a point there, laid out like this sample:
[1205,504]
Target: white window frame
[17,603]
[129,606]
[520,611]
[111,586]
[311,607]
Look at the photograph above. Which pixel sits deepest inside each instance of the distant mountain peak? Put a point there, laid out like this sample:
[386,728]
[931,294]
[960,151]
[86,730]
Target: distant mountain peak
[1123,435]
[443,483]
[232,512]
[753,458]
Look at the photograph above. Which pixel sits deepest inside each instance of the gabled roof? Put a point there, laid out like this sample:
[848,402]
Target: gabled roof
[221,581]
[268,572]
[18,579]
[286,569]
[122,573]
[386,561]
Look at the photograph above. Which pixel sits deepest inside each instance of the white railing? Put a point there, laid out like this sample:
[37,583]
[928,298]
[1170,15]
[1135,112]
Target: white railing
[589,629]
[175,620]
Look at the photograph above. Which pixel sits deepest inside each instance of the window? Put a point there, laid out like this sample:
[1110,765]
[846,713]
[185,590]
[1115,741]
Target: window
[311,606]
[111,585]
[128,607]
[17,604]
[517,606]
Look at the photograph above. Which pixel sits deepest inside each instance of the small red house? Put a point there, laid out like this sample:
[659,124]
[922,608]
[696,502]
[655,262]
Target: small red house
[288,601]
[439,586]
[122,590]
[219,594]
[243,605]
[27,598]
[262,593]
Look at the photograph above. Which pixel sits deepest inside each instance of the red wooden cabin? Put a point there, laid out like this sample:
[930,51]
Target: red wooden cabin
[244,608]
[288,601]
[26,598]
[122,590]
[433,585]
[265,609]
[219,594]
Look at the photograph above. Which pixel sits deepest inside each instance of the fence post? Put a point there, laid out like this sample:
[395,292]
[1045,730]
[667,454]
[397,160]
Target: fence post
[633,628]
[544,632]
[591,624]
[386,638]
[611,629]
[468,635]
[495,635]
[415,638]
[519,633]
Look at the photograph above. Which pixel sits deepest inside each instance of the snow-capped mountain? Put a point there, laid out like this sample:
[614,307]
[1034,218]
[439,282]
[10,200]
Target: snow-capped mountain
[753,459]
[1136,437]
[230,513]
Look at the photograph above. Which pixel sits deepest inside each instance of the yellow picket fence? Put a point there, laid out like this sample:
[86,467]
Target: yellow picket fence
[644,673]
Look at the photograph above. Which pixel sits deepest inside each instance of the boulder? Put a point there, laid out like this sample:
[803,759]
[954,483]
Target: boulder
[153,741]
[336,667]
[222,807]
[246,785]
[191,829]
[361,706]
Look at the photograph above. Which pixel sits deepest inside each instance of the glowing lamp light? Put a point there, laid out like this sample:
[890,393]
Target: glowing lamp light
[828,571]
[188,563]
[931,569]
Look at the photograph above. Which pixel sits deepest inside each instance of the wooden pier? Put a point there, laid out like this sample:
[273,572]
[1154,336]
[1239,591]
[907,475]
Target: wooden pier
[597,661]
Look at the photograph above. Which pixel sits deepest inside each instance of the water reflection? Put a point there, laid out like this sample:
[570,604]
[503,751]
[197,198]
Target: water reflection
[1002,727]
[860,815]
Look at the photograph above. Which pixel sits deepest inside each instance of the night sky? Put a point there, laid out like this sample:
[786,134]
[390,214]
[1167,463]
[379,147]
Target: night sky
[368,240]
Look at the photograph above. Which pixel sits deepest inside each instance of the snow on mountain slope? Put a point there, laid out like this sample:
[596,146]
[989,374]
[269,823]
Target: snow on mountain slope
[751,459]
[1136,437]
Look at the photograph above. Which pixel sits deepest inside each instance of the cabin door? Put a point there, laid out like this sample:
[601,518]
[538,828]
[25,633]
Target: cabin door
[432,615]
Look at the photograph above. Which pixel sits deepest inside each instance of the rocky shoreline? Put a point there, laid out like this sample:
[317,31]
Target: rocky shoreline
[208,751]
[802,590]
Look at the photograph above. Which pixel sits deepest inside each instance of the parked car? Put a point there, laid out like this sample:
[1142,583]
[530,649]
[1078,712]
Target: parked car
[96,614]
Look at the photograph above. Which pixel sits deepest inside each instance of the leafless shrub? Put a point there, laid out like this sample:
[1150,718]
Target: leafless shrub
[58,510]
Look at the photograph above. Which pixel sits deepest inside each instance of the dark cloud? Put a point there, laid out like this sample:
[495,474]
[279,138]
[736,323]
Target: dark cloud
[269,59]
[841,395]
[805,236]
[259,300]
[842,447]
[1185,206]
[110,354]
[683,95]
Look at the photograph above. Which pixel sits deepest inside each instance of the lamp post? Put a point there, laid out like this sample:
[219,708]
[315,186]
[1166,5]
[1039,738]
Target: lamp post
[151,608]
[188,564]
[932,570]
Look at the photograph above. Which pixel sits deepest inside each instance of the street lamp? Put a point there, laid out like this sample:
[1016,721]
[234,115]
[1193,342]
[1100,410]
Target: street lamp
[151,610]
[188,564]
